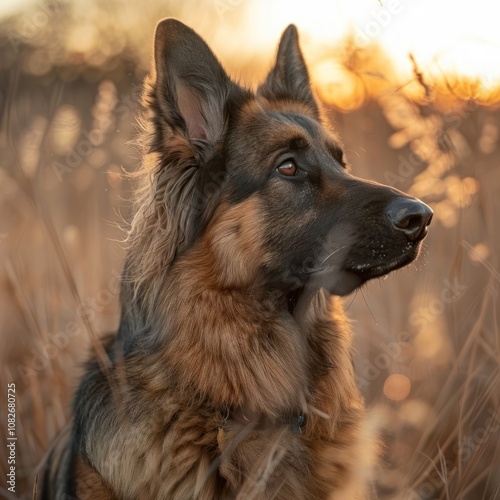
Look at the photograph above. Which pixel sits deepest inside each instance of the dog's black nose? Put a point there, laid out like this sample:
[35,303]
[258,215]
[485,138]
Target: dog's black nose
[410,216]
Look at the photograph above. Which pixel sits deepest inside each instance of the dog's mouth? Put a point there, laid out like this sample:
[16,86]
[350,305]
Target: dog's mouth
[352,278]
[345,281]
[352,275]
[351,271]
[376,270]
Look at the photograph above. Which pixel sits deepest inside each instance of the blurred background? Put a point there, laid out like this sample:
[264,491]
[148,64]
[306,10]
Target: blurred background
[413,88]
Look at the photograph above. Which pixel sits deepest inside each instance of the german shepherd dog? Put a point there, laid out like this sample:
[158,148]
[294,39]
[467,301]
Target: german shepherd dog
[231,373]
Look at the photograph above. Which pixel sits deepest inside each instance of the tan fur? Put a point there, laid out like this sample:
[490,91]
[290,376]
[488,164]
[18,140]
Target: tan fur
[164,455]
[326,460]
[234,241]
[89,485]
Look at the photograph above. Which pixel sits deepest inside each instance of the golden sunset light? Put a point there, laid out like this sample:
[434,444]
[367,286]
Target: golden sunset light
[274,270]
[447,40]
[452,37]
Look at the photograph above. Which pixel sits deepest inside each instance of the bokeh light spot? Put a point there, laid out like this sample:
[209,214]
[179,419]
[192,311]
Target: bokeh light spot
[397,387]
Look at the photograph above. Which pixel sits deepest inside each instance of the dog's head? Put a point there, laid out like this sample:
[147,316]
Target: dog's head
[260,181]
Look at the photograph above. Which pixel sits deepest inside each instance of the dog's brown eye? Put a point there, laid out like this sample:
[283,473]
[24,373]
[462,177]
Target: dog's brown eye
[288,169]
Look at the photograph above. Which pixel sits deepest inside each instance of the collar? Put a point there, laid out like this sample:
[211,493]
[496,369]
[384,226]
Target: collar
[261,421]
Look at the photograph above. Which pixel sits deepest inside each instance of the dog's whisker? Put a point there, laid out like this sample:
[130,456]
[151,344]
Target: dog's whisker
[368,307]
[333,253]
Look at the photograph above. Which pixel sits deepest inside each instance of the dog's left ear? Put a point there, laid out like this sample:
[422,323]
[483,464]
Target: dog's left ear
[289,79]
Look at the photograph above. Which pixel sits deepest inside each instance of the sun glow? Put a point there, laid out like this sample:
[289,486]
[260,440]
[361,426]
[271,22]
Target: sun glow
[450,38]
[354,49]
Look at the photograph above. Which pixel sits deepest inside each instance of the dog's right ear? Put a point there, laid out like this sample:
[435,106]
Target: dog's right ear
[289,79]
[190,87]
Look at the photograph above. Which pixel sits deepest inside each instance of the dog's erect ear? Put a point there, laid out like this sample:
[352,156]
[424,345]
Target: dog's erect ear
[191,87]
[289,78]
[187,96]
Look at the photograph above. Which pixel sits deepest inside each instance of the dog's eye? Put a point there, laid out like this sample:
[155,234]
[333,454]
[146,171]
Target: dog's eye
[288,169]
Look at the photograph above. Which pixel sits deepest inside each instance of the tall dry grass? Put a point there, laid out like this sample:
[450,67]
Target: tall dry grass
[427,337]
